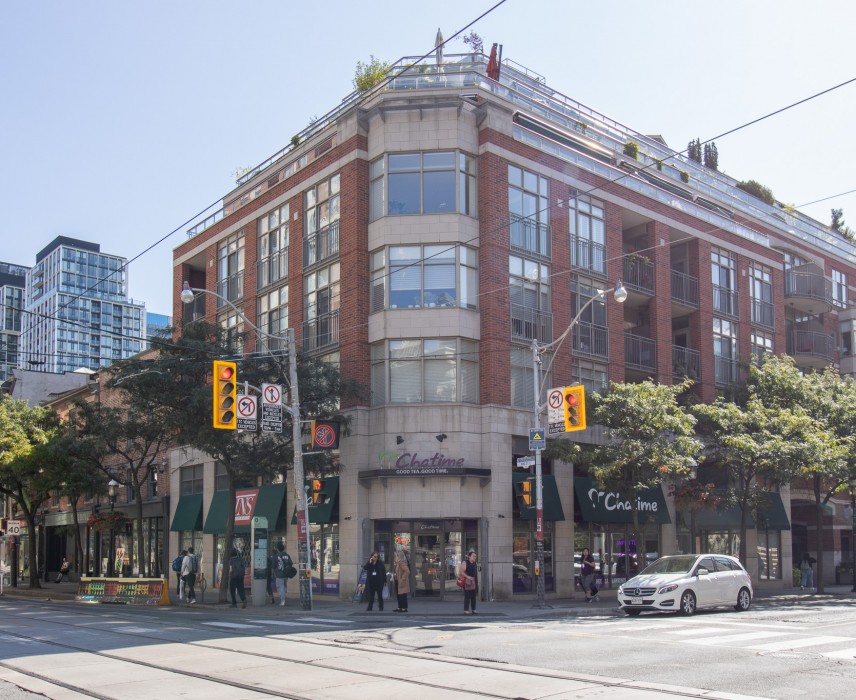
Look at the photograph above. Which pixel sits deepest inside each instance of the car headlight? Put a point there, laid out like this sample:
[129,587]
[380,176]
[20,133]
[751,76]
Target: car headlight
[621,590]
[667,589]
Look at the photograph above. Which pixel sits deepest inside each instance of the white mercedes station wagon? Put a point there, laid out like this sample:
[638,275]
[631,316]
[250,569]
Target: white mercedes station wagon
[687,582]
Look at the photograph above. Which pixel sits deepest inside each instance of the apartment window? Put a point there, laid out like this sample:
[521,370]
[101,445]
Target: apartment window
[435,182]
[221,479]
[529,290]
[594,376]
[529,211]
[321,307]
[522,376]
[421,370]
[723,271]
[725,351]
[230,269]
[839,289]
[321,214]
[761,291]
[273,315]
[762,343]
[233,326]
[272,263]
[191,480]
[588,234]
[424,277]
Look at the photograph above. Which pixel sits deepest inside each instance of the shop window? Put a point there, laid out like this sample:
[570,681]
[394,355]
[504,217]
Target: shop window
[769,554]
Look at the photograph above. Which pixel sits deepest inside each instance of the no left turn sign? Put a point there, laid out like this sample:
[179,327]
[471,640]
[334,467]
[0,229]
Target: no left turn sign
[247,407]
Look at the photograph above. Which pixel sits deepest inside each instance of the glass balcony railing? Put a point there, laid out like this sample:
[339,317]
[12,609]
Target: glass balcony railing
[591,340]
[684,289]
[194,311]
[762,313]
[686,363]
[808,285]
[531,324]
[321,245]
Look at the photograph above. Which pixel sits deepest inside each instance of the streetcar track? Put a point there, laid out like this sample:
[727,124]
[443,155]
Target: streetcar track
[213,644]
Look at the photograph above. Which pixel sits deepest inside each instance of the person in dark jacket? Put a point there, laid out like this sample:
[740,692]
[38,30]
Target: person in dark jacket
[376,577]
[236,579]
[587,575]
[470,569]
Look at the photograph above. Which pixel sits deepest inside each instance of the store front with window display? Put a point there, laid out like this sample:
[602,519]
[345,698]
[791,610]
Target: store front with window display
[604,525]
[524,539]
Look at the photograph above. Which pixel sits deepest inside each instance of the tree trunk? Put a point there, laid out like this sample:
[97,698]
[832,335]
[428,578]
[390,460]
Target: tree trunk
[32,548]
[819,524]
[142,556]
[78,545]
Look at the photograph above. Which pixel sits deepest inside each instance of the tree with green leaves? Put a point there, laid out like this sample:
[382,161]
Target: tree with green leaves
[711,156]
[27,474]
[694,150]
[176,387]
[649,440]
[367,75]
[837,224]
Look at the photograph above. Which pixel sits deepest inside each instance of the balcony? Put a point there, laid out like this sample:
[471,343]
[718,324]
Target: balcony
[321,332]
[725,302]
[321,245]
[640,353]
[726,371]
[272,269]
[811,349]
[531,324]
[762,313]
[638,280]
[807,290]
[529,236]
[588,255]
[591,340]
[232,288]
[686,363]
[684,293]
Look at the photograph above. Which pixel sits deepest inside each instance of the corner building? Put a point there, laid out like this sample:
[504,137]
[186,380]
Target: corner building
[421,235]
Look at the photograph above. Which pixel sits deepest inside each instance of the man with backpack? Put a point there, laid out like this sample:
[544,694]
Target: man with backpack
[189,570]
[176,567]
[281,570]
[237,572]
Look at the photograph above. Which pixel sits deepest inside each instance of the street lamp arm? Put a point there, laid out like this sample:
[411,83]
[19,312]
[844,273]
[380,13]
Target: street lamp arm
[188,294]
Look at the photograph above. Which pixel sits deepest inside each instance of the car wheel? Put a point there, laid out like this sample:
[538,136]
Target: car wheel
[632,613]
[688,603]
[744,600]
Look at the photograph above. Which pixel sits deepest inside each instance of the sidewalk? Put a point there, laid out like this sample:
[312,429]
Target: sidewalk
[420,607]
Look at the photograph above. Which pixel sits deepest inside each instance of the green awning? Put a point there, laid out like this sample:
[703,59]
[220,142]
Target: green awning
[549,491]
[323,501]
[609,506]
[724,519]
[775,517]
[269,504]
[188,513]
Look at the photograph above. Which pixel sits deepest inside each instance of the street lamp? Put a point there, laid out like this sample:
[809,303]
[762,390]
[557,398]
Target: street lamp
[188,295]
[112,492]
[620,294]
[852,485]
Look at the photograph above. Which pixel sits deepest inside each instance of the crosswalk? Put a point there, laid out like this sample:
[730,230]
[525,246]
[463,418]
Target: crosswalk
[703,631]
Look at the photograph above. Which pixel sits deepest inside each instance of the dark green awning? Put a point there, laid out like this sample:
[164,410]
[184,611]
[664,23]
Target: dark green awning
[270,504]
[324,503]
[609,506]
[188,513]
[725,519]
[775,517]
[550,493]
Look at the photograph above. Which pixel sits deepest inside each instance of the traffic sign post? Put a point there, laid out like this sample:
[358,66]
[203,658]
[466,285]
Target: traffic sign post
[13,528]
[248,413]
[272,408]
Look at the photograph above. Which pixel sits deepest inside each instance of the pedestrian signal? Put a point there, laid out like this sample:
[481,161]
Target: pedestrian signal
[524,492]
[575,408]
[225,395]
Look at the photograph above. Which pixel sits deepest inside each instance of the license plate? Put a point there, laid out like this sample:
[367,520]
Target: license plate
[636,601]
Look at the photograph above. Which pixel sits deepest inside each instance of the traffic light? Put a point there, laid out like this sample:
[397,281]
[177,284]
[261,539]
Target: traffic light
[575,408]
[524,492]
[225,395]
[317,494]
[2,527]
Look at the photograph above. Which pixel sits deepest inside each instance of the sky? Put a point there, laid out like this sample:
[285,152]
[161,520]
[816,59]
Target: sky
[121,121]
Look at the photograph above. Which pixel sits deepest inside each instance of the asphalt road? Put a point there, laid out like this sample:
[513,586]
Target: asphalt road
[798,647]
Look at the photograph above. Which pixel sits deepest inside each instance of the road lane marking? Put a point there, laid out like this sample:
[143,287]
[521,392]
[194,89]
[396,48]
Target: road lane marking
[730,639]
[799,643]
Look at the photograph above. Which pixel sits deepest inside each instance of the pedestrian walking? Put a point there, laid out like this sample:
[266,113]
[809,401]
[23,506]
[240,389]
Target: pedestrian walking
[806,572]
[376,577]
[470,570]
[281,567]
[64,570]
[189,571]
[587,575]
[602,567]
[176,567]
[402,581]
[236,579]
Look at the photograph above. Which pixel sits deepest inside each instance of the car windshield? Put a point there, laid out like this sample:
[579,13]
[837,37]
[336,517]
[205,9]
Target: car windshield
[672,565]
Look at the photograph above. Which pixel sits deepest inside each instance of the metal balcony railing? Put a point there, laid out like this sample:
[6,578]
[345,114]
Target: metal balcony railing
[685,362]
[762,313]
[531,324]
[588,255]
[194,311]
[809,285]
[272,269]
[811,343]
[684,289]
[590,339]
[321,245]
[321,332]
[725,301]
[232,288]
[639,352]
[726,371]
[639,274]
[529,236]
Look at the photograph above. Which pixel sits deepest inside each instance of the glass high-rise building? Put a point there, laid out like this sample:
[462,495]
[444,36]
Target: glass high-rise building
[12,282]
[77,312]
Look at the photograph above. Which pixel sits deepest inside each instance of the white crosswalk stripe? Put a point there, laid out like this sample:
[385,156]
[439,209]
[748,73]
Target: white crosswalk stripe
[730,640]
[799,643]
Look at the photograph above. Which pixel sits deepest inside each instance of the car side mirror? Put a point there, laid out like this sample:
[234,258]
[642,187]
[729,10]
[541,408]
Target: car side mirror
[702,572]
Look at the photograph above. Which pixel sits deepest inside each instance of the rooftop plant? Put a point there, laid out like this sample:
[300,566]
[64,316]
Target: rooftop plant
[756,189]
[367,75]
